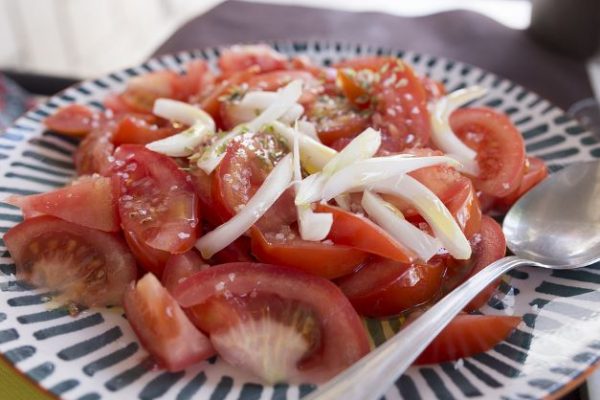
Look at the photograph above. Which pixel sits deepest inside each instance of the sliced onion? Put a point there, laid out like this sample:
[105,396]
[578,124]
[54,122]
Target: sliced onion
[285,99]
[432,209]
[267,194]
[362,174]
[254,103]
[314,155]
[361,147]
[308,129]
[183,112]
[212,156]
[182,144]
[312,226]
[441,133]
[392,221]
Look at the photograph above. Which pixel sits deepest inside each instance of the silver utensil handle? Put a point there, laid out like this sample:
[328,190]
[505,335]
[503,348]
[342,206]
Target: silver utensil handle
[371,376]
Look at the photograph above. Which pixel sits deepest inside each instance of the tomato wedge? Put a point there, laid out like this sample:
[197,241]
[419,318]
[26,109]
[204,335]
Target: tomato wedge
[499,145]
[157,203]
[353,230]
[238,58]
[148,258]
[488,246]
[383,288]
[135,130]
[162,326]
[467,335]
[72,203]
[72,120]
[87,266]
[142,91]
[292,326]
[197,79]
[535,172]
[95,150]
[180,267]
[317,258]
[434,89]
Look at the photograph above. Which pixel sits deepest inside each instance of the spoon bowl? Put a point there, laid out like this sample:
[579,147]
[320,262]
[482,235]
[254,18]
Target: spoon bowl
[555,225]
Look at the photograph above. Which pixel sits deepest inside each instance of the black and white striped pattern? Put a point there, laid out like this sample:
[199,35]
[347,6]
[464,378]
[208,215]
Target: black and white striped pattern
[96,355]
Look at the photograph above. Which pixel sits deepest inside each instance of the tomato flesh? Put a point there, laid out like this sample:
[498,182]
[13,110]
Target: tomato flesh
[74,119]
[325,336]
[285,247]
[142,91]
[95,150]
[72,203]
[383,288]
[237,58]
[157,203]
[467,335]
[180,267]
[353,230]
[148,259]
[163,327]
[135,130]
[499,145]
[535,172]
[87,266]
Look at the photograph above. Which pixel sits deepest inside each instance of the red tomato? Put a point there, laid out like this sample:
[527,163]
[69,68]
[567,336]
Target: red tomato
[239,250]
[317,258]
[335,118]
[466,336]
[353,230]
[115,103]
[162,326]
[203,186]
[72,120]
[382,288]
[157,203]
[197,79]
[72,203]
[134,130]
[356,86]
[95,150]
[292,325]
[238,58]
[180,267]
[535,172]
[434,89]
[148,258]
[488,246]
[143,90]
[247,162]
[499,145]
[271,81]
[86,266]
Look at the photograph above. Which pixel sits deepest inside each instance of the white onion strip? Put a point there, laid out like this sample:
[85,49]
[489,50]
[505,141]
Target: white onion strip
[254,103]
[183,112]
[312,226]
[267,194]
[364,173]
[441,133]
[286,99]
[182,144]
[432,209]
[392,221]
[213,155]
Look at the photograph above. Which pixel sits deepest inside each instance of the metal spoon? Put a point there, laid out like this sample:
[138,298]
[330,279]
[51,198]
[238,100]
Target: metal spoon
[556,225]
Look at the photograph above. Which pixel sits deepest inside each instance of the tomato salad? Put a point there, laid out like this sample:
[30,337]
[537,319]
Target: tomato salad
[259,212]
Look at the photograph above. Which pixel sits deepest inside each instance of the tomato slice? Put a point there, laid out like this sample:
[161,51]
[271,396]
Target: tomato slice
[247,162]
[157,203]
[434,89]
[288,325]
[180,267]
[285,247]
[335,118]
[535,172]
[353,230]
[467,335]
[95,150]
[162,326]
[239,250]
[87,266]
[238,58]
[72,120]
[197,79]
[135,130]
[142,91]
[72,203]
[382,288]
[488,246]
[499,145]
[148,258]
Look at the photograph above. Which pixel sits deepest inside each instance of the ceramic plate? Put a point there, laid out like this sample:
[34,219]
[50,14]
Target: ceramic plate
[96,355]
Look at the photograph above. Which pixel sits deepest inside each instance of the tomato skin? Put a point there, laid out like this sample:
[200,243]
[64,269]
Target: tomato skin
[315,258]
[467,335]
[343,338]
[535,172]
[157,202]
[383,288]
[197,79]
[465,209]
[134,130]
[499,145]
[162,326]
[237,58]
[488,246]
[237,251]
[142,91]
[89,267]
[148,258]
[72,203]
[95,150]
[72,120]
[180,267]
[352,230]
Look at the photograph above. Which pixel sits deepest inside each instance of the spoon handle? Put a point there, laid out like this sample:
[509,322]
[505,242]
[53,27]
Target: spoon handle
[370,377]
